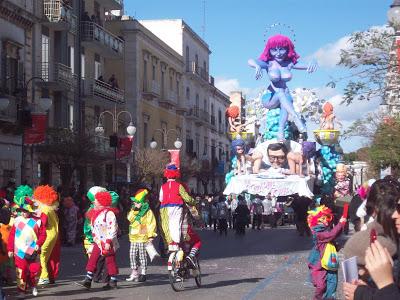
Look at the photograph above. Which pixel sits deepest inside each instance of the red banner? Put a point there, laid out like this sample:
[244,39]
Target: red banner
[37,133]
[124,147]
[175,160]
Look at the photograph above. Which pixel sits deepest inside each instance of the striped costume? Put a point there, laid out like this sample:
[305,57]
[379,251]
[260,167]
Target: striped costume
[173,196]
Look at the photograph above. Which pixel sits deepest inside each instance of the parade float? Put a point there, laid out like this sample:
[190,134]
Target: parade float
[283,162]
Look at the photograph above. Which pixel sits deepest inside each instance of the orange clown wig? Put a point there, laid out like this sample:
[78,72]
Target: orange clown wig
[45,194]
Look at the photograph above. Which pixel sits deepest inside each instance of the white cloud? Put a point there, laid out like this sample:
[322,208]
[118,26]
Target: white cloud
[329,55]
[228,85]
[357,109]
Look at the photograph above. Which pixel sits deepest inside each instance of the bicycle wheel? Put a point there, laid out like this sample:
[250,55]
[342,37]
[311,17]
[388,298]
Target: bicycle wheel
[175,278]
[197,274]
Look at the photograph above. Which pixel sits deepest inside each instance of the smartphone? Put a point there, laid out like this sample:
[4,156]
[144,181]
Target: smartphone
[372,237]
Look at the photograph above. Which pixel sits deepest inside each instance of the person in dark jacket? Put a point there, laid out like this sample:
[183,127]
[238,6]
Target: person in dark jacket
[242,213]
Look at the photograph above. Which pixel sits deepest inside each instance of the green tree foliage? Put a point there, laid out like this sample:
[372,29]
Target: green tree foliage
[367,57]
[385,149]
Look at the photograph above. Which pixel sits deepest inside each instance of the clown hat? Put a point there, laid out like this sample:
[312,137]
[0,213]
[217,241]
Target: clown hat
[172,172]
[93,191]
[140,196]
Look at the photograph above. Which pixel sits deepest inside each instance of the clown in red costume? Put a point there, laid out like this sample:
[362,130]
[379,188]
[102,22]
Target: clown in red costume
[104,227]
[173,198]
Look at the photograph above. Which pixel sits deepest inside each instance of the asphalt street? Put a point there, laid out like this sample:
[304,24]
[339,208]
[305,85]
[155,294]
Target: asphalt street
[265,264]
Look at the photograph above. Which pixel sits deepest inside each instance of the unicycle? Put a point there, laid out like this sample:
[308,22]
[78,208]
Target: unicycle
[179,271]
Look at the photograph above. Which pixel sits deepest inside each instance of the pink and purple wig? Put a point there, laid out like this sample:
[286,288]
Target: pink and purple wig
[279,41]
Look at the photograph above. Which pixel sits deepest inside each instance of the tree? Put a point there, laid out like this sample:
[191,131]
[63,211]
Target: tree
[364,127]
[385,150]
[149,164]
[70,152]
[368,58]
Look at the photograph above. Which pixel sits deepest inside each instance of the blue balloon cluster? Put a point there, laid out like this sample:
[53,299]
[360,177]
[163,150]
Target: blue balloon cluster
[272,125]
[230,174]
[329,161]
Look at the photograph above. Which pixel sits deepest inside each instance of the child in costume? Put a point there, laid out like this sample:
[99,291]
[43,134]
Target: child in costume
[104,227]
[24,244]
[191,245]
[324,280]
[142,230]
[173,197]
[46,199]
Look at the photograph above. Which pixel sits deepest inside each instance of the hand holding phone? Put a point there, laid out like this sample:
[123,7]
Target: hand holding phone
[372,237]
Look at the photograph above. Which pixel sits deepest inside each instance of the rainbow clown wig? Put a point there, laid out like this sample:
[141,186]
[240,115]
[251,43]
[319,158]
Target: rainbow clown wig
[172,172]
[319,218]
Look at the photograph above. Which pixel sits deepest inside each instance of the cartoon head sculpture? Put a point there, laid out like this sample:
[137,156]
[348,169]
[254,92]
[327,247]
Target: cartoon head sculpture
[341,172]
[232,111]
[238,146]
[172,172]
[279,41]
[319,218]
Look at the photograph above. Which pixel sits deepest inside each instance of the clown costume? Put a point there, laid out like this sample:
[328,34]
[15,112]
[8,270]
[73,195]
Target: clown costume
[25,241]
[324,280]
[173,197]
[142,230]
[46,199]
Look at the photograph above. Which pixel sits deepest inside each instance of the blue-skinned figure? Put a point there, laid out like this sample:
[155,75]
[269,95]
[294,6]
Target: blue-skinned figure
[278,59]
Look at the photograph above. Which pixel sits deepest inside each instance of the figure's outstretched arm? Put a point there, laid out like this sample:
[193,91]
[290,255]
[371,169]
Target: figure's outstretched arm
[312,67]
[258,65]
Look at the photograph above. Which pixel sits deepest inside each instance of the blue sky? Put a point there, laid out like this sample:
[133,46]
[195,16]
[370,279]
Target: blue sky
[235,32]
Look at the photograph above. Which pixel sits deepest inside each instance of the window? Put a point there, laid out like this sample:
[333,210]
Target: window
[197,100]
[188,94]
[177,89]
[205,146]
[45,57]
[219,116]
[153,73]
[145,133]
[187,59]
[144,75]
[205,105]
[71,116]
[83,66]
[171,80]
[97,69]
[72,59]
[162,83]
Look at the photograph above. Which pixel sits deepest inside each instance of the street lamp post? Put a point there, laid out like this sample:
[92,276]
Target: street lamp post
[22,97]
[131,130]
[394,15]
[164,137]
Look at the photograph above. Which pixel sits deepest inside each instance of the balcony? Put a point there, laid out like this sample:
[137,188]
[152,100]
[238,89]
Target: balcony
[100,90]
[168,100]
[151,90]
[56,76]
[59,17]
[111,4]
[198,72]
[200,116]
[104,42]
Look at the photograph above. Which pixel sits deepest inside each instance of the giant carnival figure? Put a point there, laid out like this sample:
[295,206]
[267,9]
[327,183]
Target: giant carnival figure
[278,59]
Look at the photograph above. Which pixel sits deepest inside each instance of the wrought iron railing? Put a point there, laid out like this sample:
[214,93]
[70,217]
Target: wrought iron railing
[56,12]
[94,32]
[101,89]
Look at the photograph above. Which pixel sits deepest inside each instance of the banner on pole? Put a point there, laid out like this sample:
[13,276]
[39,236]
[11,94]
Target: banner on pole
[37,133]
[124,147]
